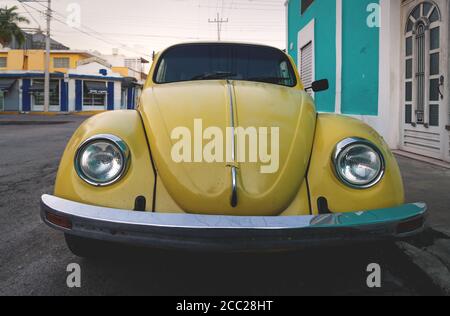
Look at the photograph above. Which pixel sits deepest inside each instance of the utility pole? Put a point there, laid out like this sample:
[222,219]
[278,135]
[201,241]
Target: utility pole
[48,14]
[47,59]
[219,22]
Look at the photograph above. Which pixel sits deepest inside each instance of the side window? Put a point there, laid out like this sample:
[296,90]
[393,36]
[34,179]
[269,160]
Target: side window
[305,5]
[94,93]
[3,62]
[38,92]
[286,74]
[161,75]
[61,62]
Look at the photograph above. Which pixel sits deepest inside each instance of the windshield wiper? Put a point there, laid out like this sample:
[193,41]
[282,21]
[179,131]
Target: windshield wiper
[216,75]
[269,79]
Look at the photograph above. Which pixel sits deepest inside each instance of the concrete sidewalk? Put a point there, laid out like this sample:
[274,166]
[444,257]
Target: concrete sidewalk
[431,253]
[431,184]
[36,119]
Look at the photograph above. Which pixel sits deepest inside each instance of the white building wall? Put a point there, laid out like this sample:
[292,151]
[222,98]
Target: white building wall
[117,95]
[20,95]
[388,121]
[72,95]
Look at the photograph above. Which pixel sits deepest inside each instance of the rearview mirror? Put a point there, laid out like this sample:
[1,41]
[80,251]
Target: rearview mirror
[319,85]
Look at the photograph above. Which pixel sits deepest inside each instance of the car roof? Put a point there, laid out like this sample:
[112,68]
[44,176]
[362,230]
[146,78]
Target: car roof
[221,42]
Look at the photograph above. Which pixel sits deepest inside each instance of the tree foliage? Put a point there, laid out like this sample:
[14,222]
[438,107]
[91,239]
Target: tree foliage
[9,25]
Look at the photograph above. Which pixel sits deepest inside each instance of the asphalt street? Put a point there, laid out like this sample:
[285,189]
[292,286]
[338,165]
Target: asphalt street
[34,258]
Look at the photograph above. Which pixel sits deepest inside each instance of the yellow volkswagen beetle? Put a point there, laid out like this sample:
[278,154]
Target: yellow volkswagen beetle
[226,151]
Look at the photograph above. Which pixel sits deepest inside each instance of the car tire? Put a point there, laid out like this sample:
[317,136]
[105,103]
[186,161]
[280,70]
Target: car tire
[83,247]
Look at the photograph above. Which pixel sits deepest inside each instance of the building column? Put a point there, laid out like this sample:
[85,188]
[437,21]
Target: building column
[338,56]
[130,98]
[389,96]
[111,97]
[117,95]
[72,95]
[78,95]
[26,97]
[64,98]
[20,95]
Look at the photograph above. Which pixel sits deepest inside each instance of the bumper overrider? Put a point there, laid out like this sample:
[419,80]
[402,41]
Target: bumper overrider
[233,233]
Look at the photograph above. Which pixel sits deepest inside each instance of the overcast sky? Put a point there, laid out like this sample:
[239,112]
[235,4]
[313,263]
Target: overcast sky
[139,27]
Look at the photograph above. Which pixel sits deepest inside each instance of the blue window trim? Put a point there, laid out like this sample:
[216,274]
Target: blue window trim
[130,99]
[78,95]
[64,96]
[110,96]
[26,96]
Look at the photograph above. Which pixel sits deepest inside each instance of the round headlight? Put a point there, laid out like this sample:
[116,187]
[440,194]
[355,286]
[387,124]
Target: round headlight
[102,160]
[359,163]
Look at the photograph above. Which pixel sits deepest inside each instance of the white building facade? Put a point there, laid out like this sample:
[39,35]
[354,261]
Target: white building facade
[387,62]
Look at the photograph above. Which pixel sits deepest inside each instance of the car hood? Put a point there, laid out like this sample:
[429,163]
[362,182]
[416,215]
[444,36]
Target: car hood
[202,187]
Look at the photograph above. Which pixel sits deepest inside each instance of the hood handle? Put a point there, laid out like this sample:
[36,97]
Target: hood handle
[234,190]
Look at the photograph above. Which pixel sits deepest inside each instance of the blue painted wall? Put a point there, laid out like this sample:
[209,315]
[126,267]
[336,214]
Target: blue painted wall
[360,53]
[110,96]
[64,96]
[26,96]
[130,98]
[360,59]
[78,95]
[324,13]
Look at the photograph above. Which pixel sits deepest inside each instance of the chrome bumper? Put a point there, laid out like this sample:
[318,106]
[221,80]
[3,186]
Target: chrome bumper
[229,233]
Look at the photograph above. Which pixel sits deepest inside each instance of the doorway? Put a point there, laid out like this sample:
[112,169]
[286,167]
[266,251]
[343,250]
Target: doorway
[424,109]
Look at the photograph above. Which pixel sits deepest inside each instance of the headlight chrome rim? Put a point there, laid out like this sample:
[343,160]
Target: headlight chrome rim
[345,144]
[118,143]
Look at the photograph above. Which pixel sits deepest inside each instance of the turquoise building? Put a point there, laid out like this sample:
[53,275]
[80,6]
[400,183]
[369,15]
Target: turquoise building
[387,62]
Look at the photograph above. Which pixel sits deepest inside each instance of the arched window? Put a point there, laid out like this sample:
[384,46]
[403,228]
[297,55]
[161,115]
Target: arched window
[422,65]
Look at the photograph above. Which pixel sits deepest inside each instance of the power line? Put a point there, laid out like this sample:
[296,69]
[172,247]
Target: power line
[32,16]
[113,41]
[99,37]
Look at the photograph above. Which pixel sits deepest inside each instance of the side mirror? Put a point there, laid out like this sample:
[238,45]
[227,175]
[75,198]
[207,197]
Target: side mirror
[319,85]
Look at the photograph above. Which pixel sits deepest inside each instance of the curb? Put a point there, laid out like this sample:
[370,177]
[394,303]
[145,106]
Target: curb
[32,123]
[53,114]
[430,161]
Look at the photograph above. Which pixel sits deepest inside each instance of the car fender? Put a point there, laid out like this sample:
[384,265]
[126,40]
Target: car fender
[139,180]
[323,182]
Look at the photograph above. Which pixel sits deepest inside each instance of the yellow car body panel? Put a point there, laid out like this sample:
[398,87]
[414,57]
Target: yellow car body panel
[204,187]
[139,179]
[323,182]
[306,140]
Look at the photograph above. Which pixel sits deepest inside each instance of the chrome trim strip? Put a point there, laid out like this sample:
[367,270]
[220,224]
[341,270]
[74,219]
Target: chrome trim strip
[234,193]
[234,190]
[343,145]
[232,121]
[233,233]
[117,141]
[191,221]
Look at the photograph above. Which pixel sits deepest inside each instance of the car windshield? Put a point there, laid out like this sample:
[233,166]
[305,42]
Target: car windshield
[191,62]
